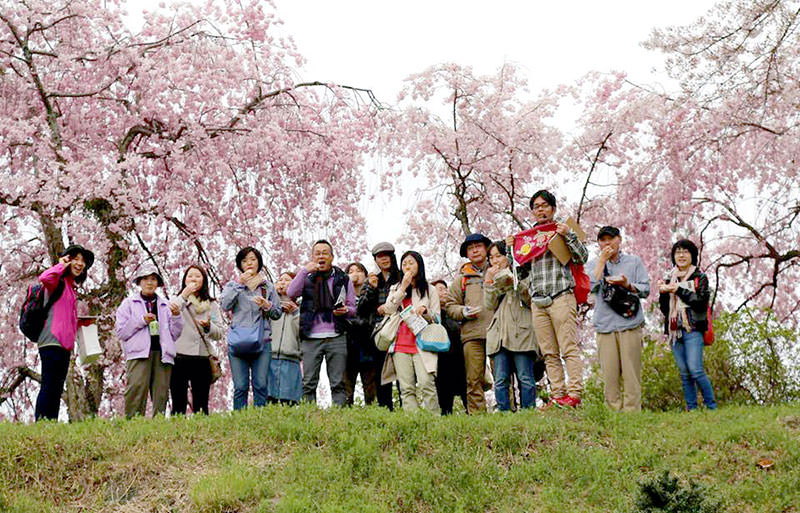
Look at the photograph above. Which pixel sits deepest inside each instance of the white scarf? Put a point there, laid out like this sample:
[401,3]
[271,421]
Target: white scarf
[677,308]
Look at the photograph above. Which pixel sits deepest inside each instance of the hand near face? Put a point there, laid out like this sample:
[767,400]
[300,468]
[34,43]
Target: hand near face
[407,277]
[606,253]
[372,279]
[447,298]
[246,276]
[191,288]
[312,266]
[65,260]
[491,272]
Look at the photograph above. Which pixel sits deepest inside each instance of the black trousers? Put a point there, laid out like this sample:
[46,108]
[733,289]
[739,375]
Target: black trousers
[194,370]
[451,379]
[55,364]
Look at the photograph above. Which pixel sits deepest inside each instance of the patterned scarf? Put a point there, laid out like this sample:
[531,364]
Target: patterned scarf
[677,308]
[198,306]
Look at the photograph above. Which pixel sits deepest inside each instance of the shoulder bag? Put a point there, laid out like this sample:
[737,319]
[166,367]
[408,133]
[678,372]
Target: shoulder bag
[213,359]
[621,300]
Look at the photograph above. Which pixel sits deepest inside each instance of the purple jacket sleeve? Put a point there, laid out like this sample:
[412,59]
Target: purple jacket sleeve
[128,323]
[50,277]
[295,289]
[175,325]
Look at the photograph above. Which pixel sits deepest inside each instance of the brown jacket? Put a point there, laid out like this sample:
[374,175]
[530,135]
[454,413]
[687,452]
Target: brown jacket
[467,290]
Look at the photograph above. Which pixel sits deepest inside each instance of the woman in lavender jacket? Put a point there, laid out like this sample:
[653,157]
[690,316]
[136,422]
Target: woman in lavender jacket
[147,326]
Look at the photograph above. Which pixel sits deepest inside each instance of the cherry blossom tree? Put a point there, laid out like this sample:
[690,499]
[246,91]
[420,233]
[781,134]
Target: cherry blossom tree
[175,144]
[478,144]
[715,161]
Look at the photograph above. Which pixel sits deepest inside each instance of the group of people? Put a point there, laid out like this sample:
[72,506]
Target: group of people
[523,317]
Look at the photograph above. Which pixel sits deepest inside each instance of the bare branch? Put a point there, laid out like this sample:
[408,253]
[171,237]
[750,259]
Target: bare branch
[595,160]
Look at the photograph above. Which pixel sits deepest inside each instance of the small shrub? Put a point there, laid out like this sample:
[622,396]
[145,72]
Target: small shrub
[666,493]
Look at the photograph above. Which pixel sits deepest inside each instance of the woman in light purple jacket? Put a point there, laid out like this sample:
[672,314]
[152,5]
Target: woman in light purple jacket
[147,327]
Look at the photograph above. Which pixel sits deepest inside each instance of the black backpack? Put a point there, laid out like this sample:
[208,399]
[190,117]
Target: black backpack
[34,311]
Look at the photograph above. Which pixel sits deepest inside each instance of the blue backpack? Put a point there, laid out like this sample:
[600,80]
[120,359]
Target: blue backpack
[34,311]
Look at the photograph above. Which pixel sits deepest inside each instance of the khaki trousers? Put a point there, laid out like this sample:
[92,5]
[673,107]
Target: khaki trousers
[620,355]
[556,331]
[417,385]
[475,365]
[147,375]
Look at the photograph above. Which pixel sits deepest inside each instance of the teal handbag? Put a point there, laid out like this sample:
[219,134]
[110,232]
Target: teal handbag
[433,338]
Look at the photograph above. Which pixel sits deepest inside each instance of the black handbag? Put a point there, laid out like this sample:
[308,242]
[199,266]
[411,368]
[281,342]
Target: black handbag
[621,300]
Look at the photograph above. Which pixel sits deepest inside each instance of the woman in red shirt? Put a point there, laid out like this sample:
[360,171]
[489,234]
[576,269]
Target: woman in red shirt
[415,369]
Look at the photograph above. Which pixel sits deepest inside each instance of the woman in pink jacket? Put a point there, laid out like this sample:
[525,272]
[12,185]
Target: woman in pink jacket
[58,334]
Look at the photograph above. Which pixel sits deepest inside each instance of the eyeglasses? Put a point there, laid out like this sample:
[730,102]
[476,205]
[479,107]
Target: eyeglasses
[541,206]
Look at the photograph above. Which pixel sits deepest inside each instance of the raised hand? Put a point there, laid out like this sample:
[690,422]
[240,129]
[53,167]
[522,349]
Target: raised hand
[246,276]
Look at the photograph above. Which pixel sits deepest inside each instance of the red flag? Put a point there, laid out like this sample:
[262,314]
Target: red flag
[533,243]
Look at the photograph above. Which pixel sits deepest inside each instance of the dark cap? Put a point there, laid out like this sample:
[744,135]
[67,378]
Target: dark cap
[382,247]
[74,249]
[474,237]
[613,231]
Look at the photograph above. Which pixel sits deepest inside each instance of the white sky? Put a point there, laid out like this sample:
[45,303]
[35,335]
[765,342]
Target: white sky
[377,44]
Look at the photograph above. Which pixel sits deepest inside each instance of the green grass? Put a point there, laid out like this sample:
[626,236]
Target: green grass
[279,459]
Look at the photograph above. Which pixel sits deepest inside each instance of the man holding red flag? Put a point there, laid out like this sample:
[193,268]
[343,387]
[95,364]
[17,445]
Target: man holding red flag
[553,307]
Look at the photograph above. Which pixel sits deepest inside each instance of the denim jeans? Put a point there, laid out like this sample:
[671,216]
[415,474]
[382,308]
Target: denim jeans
[241,369]
[504,362]
[688,353]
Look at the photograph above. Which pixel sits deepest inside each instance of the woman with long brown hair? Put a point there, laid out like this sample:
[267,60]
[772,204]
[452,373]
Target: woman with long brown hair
[203,326]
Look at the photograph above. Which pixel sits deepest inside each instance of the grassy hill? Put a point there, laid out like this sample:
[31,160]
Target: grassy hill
[279,459]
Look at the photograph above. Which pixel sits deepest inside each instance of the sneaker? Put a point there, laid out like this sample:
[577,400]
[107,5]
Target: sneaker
[568,401]
[553,402]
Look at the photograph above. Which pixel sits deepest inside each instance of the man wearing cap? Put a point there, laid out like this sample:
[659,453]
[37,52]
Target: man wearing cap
[554,309]
[466,305]
[371,301]
[619,339]
[148,326]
